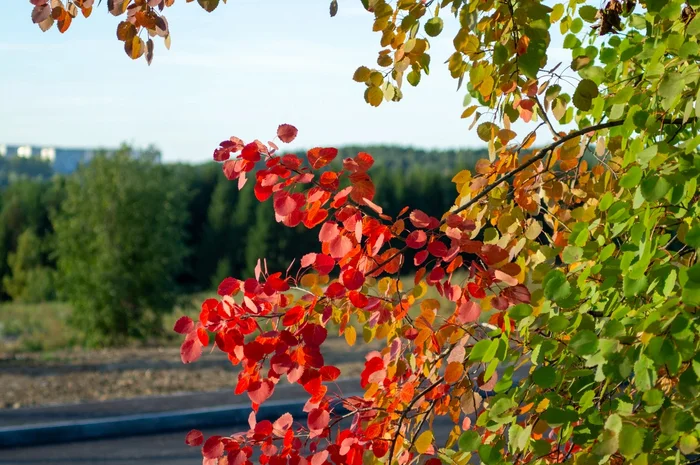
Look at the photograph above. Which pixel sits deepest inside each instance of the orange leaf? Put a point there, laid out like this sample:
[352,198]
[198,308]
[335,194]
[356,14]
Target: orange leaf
[454,372]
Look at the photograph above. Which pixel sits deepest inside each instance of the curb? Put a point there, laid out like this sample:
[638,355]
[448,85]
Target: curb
[134,425]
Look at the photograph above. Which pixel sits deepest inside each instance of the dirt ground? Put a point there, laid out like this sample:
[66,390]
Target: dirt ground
[82,376]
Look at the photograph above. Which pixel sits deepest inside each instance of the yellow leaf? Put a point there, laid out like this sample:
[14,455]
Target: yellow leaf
[557,13]
[542,406]
[469,111]
[374,96]
[420,290]
[309,280]
[361,74]
[462,177]
[486,86]
[350,335]
[424,441]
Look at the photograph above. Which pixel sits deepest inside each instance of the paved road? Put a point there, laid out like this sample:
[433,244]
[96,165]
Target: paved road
[158,449]
[156,404]
[161,449]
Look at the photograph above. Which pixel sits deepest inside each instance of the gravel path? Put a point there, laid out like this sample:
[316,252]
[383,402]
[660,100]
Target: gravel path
[84,376]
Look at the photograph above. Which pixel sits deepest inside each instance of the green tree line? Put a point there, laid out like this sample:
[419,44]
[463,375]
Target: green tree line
[122,237]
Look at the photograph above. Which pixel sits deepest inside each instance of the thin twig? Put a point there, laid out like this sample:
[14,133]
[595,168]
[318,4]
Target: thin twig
[543,153]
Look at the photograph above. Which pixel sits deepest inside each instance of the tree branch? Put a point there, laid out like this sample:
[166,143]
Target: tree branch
[405,412]
[543,153]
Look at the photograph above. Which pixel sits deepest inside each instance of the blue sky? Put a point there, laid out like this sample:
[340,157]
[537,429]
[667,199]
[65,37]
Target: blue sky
[241,70]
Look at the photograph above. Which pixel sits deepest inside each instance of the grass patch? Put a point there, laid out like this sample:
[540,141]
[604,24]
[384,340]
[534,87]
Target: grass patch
[35,327]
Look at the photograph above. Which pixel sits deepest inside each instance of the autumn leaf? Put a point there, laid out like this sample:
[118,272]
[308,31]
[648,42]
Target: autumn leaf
[287,133]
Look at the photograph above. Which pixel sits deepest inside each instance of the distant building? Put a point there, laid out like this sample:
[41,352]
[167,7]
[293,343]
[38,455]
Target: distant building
[63,160]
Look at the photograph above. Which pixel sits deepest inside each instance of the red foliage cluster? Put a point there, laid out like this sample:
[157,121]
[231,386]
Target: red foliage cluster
[272,335]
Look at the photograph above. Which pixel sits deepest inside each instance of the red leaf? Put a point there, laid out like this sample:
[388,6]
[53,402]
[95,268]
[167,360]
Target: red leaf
[320,157]
[373,372]
[287,133]
[318,419]
[340,247]
[358,299]
[380,448]
[313,218]
[364,161]
[416,239]
[263,428]
[493,254]
[421,220]
[329,373]
[319,458]
[251,152]
[314,335]
[420,257]
[194,438]
[260,391]
[437,249]
[329,181]
[293,316]
[227,286]
[282,424]
[191,349]
[184,325]
[335,289]
[323,264]
[213,448]
[328,232]
[203,336]
[308,260]
[362,187]
[352,279]
[284,203]
[469,312]
[476,291]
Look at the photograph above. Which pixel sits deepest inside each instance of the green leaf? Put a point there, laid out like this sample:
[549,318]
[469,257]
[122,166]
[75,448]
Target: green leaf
[646,155]
[433,27]
[688,444]
[654,188]
[579,234]
[469,441]
[631,178]
[520,311]
[479,349]
[632,287]
[489,455]
[585,92]
[571,254]
[588,13]
[608,443]
[530,62]
[644,376]
[584,343]
[556,416]
[413,78]
[500,54]
[670,88]
[555,286]
[692,237]
[545,377]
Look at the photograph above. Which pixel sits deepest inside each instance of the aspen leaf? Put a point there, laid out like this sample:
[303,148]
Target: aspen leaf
[424,441]
[208,5]
[453,372]
[350,335]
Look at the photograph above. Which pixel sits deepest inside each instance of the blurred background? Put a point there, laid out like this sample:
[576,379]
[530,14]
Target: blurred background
[114,221]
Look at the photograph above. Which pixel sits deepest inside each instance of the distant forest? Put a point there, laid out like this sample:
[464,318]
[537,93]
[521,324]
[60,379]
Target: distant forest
[225,231]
